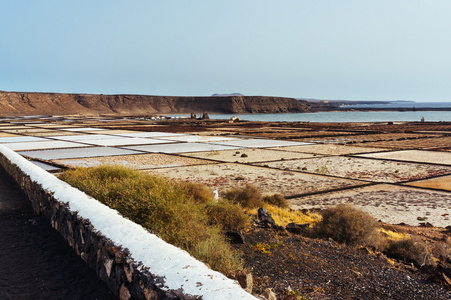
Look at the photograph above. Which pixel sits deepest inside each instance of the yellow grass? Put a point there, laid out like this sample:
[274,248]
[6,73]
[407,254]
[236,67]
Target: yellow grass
[284,216]
[394,236]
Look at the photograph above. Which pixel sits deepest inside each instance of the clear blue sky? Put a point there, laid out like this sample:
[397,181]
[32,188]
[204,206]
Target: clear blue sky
[357,50]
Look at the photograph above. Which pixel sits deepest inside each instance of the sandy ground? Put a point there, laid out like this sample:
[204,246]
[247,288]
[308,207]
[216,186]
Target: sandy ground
[222,177]
[388,203]
[52,125]
[425,143]
[330,149]
[441,183]
[372,138]
[3,134]
[50,133]
[250,155]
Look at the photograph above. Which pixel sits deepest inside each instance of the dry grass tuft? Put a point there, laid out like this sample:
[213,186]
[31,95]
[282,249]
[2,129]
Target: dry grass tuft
[199,192]
[347,224]
[248,196]
[411,250]
[277,200]
[227,215]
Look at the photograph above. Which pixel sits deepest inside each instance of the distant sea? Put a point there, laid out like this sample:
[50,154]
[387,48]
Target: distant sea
[357,116]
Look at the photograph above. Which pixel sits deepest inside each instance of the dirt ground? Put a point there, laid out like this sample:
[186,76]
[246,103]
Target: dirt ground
[36,262]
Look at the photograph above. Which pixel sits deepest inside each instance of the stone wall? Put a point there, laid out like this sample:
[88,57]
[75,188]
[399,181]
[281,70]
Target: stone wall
[114,263]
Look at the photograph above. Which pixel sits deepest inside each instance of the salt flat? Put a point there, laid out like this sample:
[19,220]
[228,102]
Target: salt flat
[122,141]
[260,143]
[199,138]
[137,161]
[378,172]
[434,157]
[389,203]
[250,155]
[47,167]
[41,145]
[150,134]
[86,137]
[181,148]
[19,139]
[83,129]
[363,168]
[330,149]
[77,153]
[229,175]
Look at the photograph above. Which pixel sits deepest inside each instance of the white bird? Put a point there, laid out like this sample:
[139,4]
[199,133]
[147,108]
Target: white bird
[216,194]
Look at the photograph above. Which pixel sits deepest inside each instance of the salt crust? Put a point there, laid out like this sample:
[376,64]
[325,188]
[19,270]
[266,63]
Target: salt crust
[179,269]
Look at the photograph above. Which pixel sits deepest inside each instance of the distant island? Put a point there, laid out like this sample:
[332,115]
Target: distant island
[355,102]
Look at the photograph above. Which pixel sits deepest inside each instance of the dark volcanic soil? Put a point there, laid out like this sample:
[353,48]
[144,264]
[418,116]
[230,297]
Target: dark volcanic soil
[35,261]
[325,269]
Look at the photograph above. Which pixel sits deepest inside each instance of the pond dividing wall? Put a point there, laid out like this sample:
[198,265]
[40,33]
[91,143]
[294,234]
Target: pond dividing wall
[133,262]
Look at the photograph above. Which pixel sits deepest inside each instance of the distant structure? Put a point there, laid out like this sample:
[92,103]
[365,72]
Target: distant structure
[227,95]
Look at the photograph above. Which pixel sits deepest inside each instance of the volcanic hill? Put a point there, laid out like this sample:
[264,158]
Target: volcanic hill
[22,103]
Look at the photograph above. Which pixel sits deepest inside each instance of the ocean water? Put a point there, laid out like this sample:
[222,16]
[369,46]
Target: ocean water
[357,116]
[345,116]
[353,116]
[401,104]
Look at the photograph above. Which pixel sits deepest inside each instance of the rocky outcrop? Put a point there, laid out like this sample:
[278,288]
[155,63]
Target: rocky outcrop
[17,103]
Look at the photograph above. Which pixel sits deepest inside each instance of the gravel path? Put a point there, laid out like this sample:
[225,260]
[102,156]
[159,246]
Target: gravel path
[35,261]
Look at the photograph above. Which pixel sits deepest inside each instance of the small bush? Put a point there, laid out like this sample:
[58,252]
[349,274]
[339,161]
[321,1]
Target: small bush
[217,253]
[277,200]
[409,250]
[227,215]
[442,250]
[248,196]
[198,192]
[347,224]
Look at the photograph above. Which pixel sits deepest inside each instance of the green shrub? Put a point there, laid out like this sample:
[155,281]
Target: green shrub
[248,196]
[217,253]
[159,205]
[347,224]
[409,250]
[227,215]
[276,200]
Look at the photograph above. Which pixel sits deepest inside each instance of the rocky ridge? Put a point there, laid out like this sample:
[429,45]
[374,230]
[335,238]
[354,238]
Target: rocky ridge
[21,103]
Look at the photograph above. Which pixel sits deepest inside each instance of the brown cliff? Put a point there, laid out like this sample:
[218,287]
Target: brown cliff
[19,104]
